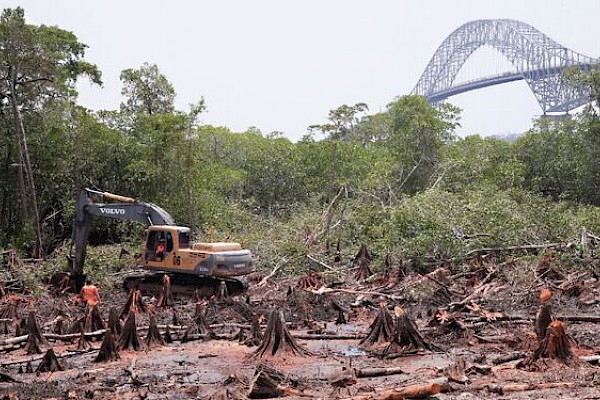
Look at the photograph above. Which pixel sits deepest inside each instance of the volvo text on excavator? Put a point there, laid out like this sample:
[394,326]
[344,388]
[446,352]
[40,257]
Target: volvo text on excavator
[192,267]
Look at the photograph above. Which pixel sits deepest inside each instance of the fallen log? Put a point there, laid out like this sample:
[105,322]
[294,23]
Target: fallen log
[579,318]
[15,340]
[376,372]
[523,387]
[420,391]
[590,359]
[67,354]
[6,378]
[508,358]
[325,336]
[267,385]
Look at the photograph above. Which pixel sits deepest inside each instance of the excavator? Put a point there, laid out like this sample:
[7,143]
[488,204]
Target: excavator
[201,268]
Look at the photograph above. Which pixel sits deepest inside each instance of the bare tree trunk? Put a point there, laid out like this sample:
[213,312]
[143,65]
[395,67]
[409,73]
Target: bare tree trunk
[24,156]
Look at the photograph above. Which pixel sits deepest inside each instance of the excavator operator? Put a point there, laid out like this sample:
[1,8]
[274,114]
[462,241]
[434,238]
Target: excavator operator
[160,250]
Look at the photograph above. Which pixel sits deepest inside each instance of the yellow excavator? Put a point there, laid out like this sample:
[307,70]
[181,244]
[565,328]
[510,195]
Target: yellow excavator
[193,267]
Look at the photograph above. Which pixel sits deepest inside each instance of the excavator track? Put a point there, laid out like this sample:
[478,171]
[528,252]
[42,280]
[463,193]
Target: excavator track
[184,284]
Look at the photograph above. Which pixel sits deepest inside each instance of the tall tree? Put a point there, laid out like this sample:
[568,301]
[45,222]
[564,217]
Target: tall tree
[418,134]
[342,122]
[37,63]
[146,90]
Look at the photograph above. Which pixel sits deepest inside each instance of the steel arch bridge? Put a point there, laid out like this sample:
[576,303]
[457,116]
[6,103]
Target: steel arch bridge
[537,59]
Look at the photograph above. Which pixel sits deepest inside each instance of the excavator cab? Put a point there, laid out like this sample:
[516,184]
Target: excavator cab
[163,244]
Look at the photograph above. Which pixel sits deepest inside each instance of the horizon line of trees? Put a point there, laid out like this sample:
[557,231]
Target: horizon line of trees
[207,176]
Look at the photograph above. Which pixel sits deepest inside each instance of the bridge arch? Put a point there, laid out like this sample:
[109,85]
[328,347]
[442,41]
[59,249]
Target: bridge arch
[537,59]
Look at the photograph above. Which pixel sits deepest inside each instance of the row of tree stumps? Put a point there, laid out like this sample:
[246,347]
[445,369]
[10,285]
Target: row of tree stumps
[398,331]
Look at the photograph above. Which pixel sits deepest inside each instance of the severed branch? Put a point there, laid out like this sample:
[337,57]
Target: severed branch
[325,290]
[66,354]
[280,264]
[322,264]
[510,248]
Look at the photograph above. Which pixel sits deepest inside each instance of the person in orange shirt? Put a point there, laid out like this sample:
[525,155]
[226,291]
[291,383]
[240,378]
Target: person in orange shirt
[90,294]
[160,250]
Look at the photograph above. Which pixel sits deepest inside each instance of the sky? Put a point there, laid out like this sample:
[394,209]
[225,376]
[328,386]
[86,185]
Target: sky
[282,65]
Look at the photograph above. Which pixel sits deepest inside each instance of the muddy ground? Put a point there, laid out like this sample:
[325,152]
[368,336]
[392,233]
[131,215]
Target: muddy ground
[479,317]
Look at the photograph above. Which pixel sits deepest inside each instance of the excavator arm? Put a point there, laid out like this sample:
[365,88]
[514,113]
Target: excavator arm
[120,207]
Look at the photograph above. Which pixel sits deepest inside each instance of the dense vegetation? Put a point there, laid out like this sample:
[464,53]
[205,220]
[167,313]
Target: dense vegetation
[399,180]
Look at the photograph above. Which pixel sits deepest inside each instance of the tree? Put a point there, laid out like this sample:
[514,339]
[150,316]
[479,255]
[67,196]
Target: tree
[146,90]
[418,134]
[343,121]
[37,63]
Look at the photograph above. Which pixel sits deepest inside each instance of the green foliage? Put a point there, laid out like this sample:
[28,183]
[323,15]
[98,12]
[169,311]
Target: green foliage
[419,133]
[474,161]
[44,60]
[146,91]
[413,188]
[560,161]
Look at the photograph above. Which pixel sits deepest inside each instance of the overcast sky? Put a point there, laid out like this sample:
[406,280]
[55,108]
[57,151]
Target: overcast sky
[281,65]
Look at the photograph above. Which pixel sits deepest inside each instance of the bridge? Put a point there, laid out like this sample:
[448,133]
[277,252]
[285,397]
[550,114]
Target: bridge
[536,58]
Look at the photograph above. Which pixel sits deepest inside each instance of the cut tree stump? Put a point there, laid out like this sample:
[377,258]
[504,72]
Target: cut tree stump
[310,280]
[83,343]
[277,338]
[165,297]
[387,268]
[108,349]
[114,323]
[341,317]
[555,345]
[543,316]
[222,292]
[363,258]
[35,337]
[153,336]
[202,328]
[129,337]
[49,363]
[381,329]
[134,303]
[233,392]
[32,346]
[59,326]
[176,321]
[400,271]
[93,319]
[168,337]
[200,319]
[255,333]
[406,336]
